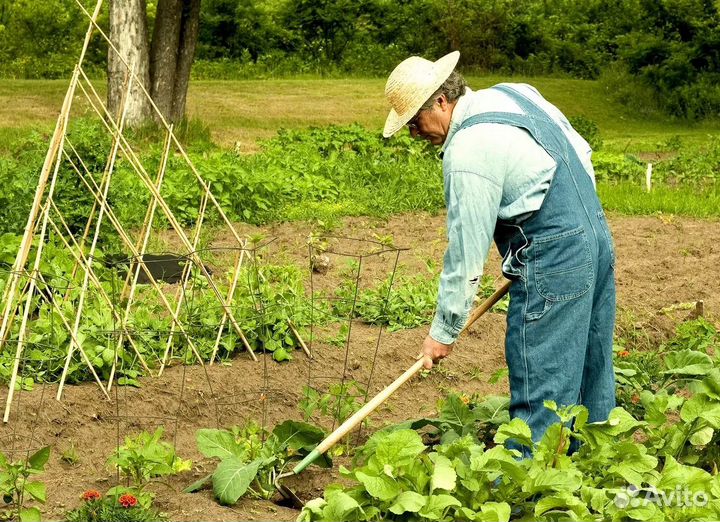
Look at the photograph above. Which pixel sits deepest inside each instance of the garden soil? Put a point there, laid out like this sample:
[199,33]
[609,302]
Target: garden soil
[664,265]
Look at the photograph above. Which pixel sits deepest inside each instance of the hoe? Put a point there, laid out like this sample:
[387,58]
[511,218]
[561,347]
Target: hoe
[370,406]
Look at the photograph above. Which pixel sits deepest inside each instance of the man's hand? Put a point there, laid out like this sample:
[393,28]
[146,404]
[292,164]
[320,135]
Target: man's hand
[433,351]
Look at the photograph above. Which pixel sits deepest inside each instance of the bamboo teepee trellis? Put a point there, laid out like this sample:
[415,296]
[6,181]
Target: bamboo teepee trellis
[46,218]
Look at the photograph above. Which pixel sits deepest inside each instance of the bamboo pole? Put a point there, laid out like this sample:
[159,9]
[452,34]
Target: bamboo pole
[56,143]
[164,122]
[91,216]
[20,260]
[79,256]
[294,330]
[29,294]
[230,294]
[107,178]
[184,278]
[129,244]
[139,169]
[300,339]
[143,241]
[75,340]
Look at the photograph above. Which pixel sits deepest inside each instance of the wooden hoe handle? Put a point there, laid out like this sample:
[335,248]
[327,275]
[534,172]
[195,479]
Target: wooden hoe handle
[376,401]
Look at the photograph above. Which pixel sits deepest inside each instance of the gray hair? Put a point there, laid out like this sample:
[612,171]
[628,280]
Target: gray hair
[452,88]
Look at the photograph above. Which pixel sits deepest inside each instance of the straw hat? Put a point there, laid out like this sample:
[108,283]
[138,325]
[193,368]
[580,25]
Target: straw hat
[411,84]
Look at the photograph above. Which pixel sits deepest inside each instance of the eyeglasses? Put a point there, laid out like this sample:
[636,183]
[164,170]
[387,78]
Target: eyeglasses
[413,123]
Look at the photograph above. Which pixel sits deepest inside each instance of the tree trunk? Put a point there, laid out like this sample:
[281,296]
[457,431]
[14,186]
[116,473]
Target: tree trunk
[129,35]
[173,49]
[164,53]
[186,55]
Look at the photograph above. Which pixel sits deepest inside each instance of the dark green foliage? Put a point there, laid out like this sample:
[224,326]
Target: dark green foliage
[43,39]
[666,48]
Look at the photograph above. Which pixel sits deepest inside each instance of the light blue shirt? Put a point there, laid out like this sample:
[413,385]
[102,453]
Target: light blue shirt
[491,171]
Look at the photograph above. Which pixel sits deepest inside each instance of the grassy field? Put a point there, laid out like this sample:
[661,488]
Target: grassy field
[246,111]
[239,114]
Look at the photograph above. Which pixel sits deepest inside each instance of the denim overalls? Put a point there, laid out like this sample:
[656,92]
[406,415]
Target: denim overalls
[562,300]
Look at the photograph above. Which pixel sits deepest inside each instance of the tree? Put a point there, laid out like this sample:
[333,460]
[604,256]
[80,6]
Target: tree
[326,26]
[161,66]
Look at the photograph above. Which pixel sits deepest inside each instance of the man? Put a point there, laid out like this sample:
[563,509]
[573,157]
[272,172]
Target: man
[514,169]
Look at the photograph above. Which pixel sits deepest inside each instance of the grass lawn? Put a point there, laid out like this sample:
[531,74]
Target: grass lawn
[246,111]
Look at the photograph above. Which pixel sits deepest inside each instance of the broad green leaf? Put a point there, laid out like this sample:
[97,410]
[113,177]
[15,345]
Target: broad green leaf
[687,362]
[541,480]
[657,404]
[312,510]
[455,411]
[594,497]
[30,515]
[620,424]
[643,511]
[381,487]
[516,430]
[399,448]
[36,490]
[218,443]
[494,512]
[493,410]
[703,407]
[232,478]
[298,435]
[675,474]
[280,354]
[710,385]
[408,502]
[702,436]
[340,506]
[632,463]
[565,502]
[436,505]
[39,459]
[443,476]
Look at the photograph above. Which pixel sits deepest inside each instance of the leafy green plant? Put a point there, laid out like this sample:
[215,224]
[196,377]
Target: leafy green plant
[399,477]
[460,416]
[339,403]
[588,129]
[143,458]
[251,458]
[402,302]
[117,508]
[16,488]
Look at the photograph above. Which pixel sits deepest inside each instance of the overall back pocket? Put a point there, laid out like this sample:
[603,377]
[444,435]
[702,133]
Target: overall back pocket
[563,265]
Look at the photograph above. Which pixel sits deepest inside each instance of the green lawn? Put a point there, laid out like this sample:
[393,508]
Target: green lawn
[245,111]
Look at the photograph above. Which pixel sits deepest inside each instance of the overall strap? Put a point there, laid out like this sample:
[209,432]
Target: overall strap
[508,118]
[547,131]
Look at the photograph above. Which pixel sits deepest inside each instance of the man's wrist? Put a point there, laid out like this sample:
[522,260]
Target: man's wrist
[442,333]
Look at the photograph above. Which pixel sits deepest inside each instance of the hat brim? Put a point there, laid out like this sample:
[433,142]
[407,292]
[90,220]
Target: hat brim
[443,67]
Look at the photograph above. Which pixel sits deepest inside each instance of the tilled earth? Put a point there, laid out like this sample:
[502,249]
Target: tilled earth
[664,266]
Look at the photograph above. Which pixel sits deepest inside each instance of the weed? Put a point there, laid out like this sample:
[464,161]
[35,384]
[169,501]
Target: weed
[143,458]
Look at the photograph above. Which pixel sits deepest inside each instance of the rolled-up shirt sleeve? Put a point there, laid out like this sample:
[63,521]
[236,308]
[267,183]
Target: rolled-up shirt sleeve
[473,200]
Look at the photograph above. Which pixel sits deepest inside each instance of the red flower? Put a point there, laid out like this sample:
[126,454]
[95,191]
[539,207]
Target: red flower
[91,495]
[624,354]
[127,500]
[635,398]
